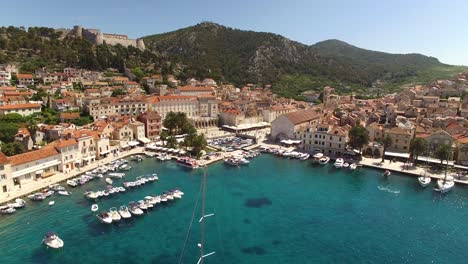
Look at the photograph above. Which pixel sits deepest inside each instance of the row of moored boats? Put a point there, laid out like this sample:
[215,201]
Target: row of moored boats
[136,208]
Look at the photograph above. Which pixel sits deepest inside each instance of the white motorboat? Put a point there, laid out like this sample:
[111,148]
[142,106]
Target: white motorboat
[445,185]
[72,183]
[104,217]
[91,195]
[52,240]
[125,167]
[387,173]
[51,203]
[109,180]
[118,175]
[176,195]
[63,193]
[8,210]
[134,209]
[424,181]
[124,212]
[324,160]
[114,214]
[178,191]
[305,156]
[94,208]
[353,166]
[37,197]
[19,203]
[339,163]
[151,199]
[345,165]
[163,198]
[169,196]
[231,161]
[142,205]
[56,187]
[148,204]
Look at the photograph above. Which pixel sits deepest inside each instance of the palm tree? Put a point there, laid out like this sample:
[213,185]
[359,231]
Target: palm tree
[443,152]
[31,125]
[417,147]
[386,142]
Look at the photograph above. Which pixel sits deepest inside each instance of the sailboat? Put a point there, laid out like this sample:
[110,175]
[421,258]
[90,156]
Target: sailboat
[446,184]
[424,180]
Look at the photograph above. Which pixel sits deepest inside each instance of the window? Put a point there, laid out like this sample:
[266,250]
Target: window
[3,177]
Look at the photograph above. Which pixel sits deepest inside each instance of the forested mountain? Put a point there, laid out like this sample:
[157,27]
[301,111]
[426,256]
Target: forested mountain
[228,55]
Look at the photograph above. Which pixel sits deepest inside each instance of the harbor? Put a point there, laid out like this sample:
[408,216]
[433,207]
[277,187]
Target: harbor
[242,197]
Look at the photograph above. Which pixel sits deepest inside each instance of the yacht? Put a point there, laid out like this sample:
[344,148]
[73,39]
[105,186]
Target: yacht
[424,180]
[52,240]
[134,209]
[65,193]
[91,195]
[187,162]
[37,197]
[94,208]
[324,160]
[114,214]
[339,163]
[353,166]
[445,185]
[231,161]
[72,183]
[151,199]
[124,212]
[104,217]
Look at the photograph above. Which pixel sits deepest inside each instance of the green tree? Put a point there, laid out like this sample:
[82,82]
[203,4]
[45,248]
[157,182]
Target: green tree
[8,132]
[199,143]
[13,148]
[358,137]
[138,72]
[31,125]
[163,136]
[417,147]
[118,92]
[443,152]
[171,142]
[386,142]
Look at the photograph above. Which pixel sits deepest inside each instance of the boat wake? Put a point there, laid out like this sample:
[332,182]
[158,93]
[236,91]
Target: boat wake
[386,189]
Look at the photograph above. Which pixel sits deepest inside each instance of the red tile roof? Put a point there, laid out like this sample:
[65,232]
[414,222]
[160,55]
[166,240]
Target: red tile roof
[44,152]
[24,76]
[19,106]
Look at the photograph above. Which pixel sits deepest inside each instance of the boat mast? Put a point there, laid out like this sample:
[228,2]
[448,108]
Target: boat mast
[202,221]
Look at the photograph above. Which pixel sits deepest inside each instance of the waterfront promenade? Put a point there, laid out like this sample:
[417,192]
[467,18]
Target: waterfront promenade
[401,167]
[60,176]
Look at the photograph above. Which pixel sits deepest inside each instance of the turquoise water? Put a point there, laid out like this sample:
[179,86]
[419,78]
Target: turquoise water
[271,211]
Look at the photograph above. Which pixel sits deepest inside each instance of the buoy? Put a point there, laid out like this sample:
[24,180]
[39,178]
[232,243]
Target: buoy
[199,245]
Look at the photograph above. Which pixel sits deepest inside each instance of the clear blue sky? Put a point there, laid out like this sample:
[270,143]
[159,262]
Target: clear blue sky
[432,27]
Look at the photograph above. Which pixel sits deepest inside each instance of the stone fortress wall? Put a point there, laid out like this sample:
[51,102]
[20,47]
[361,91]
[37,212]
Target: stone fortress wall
[97,37]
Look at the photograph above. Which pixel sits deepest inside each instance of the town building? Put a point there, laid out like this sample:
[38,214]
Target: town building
[152,122]
[324,138]
[22,109]
[286,125]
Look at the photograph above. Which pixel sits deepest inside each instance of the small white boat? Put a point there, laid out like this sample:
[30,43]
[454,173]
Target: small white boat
[353,166]
[8,210]
[109,180]
[424,181]
[72,183]
[445,185]
[142,205]
[124,212]
[176,195]
[387,173]
[94,208]
[118,175]
[91,195]
[339,163]
[51,203]
[148,204]
[52,240]
[135,210]
[345,165]
[19,203]
[114,214]
[104,217]
[169,196]
[63,193]
[324,160]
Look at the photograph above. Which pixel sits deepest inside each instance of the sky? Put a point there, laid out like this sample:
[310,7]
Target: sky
[431,27]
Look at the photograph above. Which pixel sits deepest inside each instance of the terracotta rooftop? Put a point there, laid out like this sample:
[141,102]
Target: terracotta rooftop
[24,76]
[64,143]
[3,158]
[73,115]
[303,116]
[19,106]
[42,153]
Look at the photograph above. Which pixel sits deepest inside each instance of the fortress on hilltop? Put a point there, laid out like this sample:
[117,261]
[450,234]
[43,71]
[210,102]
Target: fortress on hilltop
[97,37]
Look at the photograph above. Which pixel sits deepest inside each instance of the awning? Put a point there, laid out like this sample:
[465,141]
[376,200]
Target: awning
[144,140]
[105,152]
[39,171]
[290,142]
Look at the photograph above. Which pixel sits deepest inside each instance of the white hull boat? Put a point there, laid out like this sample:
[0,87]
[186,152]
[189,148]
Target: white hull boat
[124,212]
[324,160]
[338,163]
[109,180]
[424,181]
[65,193]
[51,203]
[104,217]
[94,208]
[52,240]
[114,214]
[353,166]
[445,185]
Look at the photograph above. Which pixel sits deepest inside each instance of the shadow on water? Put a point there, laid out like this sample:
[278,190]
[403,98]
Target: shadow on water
[275,242]
[247,221]
[256,250]
[237,193]
[44,255]
[257,202]
[164,258]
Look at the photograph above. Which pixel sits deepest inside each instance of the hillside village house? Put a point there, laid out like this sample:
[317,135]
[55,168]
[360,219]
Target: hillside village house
[152,122]
[25,79]
[285,126]
[5,78]
[22,109]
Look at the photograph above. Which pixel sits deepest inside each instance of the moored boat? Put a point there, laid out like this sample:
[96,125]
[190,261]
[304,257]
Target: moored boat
[52,240]
[353,166]
[424,181]
[109,180]
[94,208]
[187,162]
[387,173]
[134,209]
[104,217]
[324,160]
[114,214]
[124,212]
[445,185]
[339,163]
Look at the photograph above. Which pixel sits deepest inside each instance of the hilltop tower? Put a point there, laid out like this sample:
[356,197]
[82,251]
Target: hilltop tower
[140,43]
[78,30]
[99,37]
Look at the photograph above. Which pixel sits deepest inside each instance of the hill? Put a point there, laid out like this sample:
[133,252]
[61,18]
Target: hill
[239,56]
[228,55]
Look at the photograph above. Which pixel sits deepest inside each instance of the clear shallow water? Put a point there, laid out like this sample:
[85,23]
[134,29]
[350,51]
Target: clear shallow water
[271,211]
